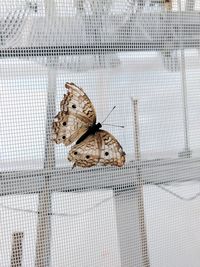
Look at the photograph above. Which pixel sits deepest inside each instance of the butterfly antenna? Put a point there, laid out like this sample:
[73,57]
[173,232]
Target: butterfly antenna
[121,126]
[108,114]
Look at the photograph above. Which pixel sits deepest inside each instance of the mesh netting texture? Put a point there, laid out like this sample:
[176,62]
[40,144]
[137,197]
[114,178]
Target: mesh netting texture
[136,203]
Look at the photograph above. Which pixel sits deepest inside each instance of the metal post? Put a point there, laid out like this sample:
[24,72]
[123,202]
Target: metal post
[136,129]
[186,152]
[16,257]
[43,242]
[139,189]
[128,229]
[185,102]
[130,212]
[44,207]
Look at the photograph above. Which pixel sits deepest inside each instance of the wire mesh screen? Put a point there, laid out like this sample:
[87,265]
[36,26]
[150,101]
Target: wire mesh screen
[141,57]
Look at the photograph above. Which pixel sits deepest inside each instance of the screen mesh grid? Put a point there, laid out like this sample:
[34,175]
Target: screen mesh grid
[143,58]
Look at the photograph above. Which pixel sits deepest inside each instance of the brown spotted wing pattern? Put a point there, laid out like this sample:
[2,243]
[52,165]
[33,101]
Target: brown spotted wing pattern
[76,119]
[102,148]
[76,116]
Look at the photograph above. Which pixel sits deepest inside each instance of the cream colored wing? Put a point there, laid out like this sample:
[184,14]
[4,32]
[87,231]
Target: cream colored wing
[76,116]
[67,128]
[111,151]
[86,153]
[78,103]
[102,148]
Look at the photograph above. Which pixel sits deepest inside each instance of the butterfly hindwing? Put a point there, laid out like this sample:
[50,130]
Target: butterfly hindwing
[111,151]
[76,116]
[86,153]
[102,148]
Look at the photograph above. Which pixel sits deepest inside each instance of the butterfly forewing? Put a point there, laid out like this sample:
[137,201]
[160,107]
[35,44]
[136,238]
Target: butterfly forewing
[77,102]
[67,128]
[76,116]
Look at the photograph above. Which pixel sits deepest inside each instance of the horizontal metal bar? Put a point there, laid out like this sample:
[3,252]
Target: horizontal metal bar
[72,50]
[104,48]
[141,32]
[64,179]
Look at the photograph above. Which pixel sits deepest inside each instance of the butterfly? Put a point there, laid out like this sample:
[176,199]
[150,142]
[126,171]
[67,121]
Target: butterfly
[76,121]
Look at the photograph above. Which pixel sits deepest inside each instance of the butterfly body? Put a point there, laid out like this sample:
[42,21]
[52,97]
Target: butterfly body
[91,131]
[77,122]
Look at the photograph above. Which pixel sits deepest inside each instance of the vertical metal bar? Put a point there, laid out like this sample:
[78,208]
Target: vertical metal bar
[186,152]
[128,228]
[136,129]
[189,6]
[130,213]
[16,257]
[43,242]
[139,189]
[185,101]
[44,208]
